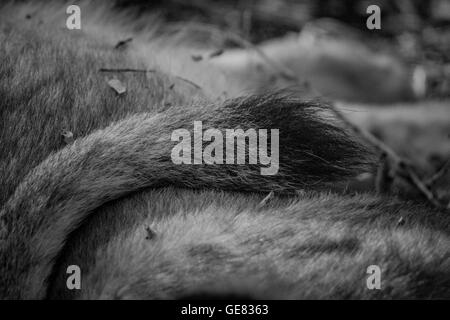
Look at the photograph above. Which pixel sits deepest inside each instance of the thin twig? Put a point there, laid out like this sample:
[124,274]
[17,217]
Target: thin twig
[125,70]
[277,67]
[122,43]
[383,179]
[438,175]
[402,167]
[192,83]
[147,71]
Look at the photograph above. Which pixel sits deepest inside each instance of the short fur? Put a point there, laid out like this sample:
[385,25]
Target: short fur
[99,202]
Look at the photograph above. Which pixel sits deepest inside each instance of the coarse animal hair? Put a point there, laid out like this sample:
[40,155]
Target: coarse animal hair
[140,226]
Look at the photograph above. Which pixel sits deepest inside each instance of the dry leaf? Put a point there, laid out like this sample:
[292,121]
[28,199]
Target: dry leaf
[196,57]
[216,53]
[400,222]
[117,85]
[67,136]
[150,233]
[122,43]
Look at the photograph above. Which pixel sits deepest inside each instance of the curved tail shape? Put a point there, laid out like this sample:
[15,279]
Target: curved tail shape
[135,153]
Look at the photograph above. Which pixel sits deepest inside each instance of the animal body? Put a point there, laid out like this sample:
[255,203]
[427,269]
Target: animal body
[139,226]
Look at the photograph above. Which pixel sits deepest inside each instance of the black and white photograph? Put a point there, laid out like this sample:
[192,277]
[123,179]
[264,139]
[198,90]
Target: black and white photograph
[243,151]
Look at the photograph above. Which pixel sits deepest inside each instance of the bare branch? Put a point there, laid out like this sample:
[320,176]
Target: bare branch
[438,175]
[383,179]
[402,168]
[277,67]
[147,71]
[192,83]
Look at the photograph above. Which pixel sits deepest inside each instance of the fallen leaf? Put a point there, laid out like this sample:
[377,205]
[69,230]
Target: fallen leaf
[196,57]
[122,43]
[216,53]
[67,136]
[150,233]
[400,222]
[117,86]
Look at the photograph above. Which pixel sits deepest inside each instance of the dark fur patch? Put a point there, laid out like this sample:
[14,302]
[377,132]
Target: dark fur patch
[323,246]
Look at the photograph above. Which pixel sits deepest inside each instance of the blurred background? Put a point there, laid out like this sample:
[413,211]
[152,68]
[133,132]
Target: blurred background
[416,32]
